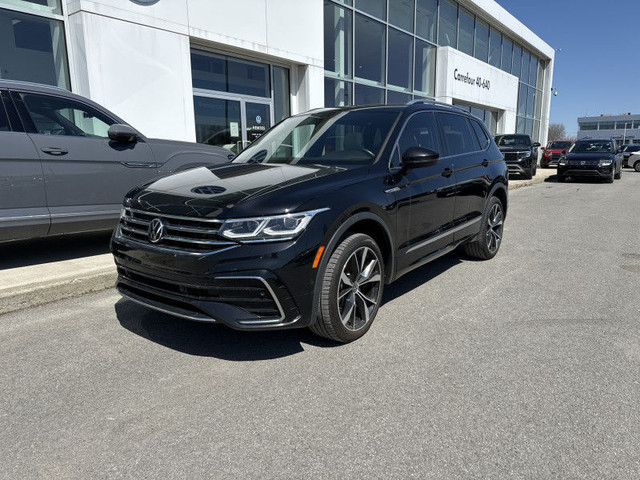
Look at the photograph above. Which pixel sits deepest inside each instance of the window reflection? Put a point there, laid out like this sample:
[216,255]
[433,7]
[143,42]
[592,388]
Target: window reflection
[33,49]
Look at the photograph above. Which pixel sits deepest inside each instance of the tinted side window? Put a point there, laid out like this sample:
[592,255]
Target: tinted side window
[62,116]
[457,134]
[481,134]
[420,131]
[4,120]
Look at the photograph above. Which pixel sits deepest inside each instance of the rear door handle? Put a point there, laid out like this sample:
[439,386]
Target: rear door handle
[485,163]
[55,151]
[447,172]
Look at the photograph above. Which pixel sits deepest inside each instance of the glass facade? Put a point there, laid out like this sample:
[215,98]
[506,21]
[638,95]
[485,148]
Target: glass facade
[32,46]
[384,51]
[236,100]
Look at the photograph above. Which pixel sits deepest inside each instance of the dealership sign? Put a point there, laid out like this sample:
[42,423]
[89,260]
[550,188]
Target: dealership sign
[463,78]
[477,81]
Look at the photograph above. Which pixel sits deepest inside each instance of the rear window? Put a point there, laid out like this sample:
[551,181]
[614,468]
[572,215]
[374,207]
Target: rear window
[457,134]
[481,134]
[4,121]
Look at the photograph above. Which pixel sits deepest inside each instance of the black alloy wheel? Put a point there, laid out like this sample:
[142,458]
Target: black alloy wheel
[352,286]
[490,237]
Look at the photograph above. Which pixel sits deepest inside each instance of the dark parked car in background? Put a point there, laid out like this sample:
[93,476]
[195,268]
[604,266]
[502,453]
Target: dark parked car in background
[626,151]
[553,151]
[306,226]
[591,158]
[520,153]
[66,162]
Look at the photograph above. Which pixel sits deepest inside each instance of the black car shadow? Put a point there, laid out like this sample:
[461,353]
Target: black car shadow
[53,249]
[214,340]
[576,180]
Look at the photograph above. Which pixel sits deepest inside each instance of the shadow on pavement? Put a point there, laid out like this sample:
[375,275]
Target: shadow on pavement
[576,180]
[213,340]
[53,249]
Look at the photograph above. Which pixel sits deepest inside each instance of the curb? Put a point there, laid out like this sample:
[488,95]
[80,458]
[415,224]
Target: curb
[540,178]
[27,296]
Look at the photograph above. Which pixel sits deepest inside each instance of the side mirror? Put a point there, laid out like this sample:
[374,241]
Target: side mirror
[121,133]
[536,145]
[417,157]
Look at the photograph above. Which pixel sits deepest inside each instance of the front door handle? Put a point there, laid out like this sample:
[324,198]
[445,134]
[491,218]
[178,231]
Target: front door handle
[55,151]
[485,163]
[447,172]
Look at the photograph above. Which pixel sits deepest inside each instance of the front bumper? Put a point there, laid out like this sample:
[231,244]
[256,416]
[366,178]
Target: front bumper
[250,287]
[519,167]
[585,171]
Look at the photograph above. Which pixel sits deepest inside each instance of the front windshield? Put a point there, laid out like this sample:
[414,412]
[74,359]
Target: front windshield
[330,137]
[558,145]
[514,141]
[595,146]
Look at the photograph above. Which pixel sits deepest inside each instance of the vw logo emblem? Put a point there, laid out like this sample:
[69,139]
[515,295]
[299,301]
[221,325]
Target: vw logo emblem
[582,162]
[156,230]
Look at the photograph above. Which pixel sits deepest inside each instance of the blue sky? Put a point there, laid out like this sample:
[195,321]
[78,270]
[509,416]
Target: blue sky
[598,69]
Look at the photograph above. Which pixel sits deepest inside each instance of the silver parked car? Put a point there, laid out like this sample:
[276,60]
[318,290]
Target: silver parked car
[66,162]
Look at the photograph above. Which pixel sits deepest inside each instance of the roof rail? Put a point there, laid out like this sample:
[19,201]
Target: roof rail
[32,84]
[435,102]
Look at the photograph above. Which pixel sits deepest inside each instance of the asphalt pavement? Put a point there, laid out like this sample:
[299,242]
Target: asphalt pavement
[525,366]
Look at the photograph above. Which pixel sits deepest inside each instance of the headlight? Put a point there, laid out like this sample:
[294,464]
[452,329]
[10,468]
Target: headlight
[524,155]
[562,161]
[262,229]
[605,163]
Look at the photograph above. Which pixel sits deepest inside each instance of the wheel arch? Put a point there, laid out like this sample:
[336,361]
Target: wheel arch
[362,222]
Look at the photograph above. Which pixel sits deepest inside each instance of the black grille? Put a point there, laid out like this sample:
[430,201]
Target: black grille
[180,233]
[249,294]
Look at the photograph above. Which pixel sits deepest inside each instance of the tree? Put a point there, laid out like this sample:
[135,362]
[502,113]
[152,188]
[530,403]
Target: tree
[557,131]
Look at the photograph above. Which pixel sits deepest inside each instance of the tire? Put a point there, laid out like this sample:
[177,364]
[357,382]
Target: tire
[636,166]
[488,244]
[534,170]
[560,178]
[528,175]
[345,281]
[618,175]
[612,177]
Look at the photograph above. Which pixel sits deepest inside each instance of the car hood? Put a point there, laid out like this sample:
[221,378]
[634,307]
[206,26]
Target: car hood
[166,149]
[239,190]
[589,156]
[554,150]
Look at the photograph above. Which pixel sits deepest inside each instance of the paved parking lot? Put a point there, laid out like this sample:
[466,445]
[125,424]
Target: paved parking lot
[526,366]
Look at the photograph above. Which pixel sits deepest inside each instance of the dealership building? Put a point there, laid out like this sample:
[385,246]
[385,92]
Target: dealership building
[222,72]
[623,128]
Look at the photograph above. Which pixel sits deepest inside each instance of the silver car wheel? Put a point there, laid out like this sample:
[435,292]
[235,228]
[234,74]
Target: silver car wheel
[358,288]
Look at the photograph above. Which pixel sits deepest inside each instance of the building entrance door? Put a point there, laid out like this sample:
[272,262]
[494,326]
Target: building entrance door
[230,121]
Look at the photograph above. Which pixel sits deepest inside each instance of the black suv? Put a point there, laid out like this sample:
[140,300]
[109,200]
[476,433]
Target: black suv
[520,154]
[306,225]
[591,158]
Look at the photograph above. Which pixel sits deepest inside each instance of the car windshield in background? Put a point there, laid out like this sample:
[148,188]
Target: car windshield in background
[631,148]
[591,147]
[323,138]
[558,145]
[514,141]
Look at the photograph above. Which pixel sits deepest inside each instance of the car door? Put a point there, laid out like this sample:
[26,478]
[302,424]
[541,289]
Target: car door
[86,174]
[425,195]
[23,205]
[471,166]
